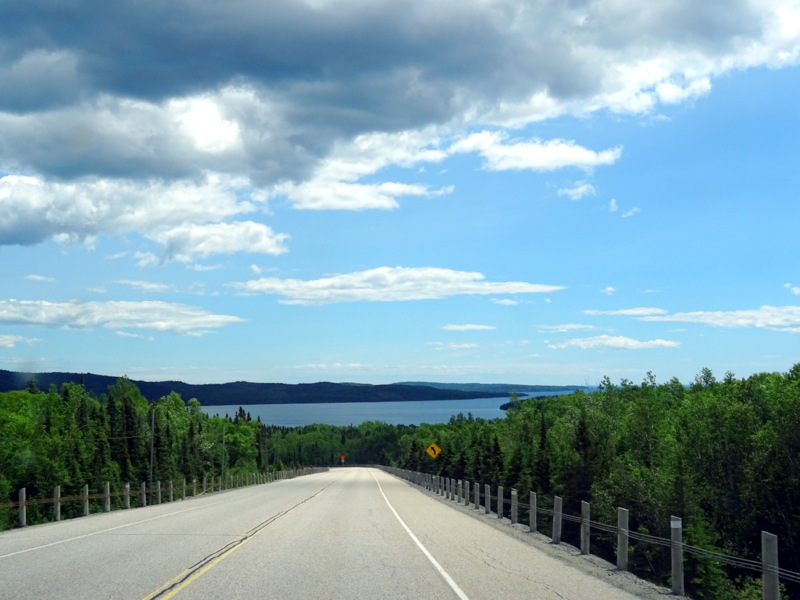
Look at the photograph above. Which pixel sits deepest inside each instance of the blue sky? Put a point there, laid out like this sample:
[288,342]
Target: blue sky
[379,192]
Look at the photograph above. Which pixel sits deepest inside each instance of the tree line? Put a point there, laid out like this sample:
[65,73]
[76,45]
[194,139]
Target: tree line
[724,455]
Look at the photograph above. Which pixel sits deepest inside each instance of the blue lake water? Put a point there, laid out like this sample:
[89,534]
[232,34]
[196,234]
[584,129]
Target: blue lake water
[355,413]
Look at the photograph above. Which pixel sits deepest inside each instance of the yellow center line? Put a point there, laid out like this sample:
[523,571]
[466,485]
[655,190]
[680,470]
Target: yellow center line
[187,577]
[175,585]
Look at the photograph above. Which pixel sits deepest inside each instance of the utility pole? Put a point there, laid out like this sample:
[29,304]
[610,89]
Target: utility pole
[152,445]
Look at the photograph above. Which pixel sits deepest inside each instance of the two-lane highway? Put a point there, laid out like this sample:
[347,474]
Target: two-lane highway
[348,533]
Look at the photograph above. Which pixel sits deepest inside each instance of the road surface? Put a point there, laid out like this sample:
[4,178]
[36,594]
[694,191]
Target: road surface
[345,534]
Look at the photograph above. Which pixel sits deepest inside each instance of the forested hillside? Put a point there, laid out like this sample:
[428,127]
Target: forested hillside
[245,393]
[724,455]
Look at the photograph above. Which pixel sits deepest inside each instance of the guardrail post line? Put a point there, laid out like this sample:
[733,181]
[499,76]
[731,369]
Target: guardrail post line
[57,503]
[126,491]
[158,492]
[194,486]
[500,502]
[169,484]
[459,491]
[557,514]
[586,511]
[514,506]
[676,529]
[769,566]
[107,497]
[477,495]
[85,499]
[622,539]
[487,498]
[143,488]
[466,493]
[533,516]
[23,509]
[183,489]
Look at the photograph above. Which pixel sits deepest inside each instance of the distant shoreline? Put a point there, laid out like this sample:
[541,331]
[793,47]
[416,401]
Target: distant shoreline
[246,393]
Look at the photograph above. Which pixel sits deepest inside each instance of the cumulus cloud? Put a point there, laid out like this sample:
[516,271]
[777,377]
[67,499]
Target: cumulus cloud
[779,318]
[203,110]
[793,289]
[334,182]
[468,327]
[34,209]
[535,155]
[188,242]
[608,290]
[387,284]
[619,342]
[154,315]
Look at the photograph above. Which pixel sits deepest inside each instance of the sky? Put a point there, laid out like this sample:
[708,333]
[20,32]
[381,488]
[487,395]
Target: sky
[538,192]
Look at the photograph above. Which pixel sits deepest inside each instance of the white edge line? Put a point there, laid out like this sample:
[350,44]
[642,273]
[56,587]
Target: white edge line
[453,585]
[80,537]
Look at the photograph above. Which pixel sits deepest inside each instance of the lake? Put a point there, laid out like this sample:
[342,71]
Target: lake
[355,413]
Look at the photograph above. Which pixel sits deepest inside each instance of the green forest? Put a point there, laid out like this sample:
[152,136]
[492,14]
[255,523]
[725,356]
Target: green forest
[724,455]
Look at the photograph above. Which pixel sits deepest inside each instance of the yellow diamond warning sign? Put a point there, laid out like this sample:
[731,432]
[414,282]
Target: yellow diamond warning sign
[433,450]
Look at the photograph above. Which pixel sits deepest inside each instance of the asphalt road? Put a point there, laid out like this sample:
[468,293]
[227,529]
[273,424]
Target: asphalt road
[348,533]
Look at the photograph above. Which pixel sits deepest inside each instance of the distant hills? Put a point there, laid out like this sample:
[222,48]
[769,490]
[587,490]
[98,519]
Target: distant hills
[244,393]
[498,389]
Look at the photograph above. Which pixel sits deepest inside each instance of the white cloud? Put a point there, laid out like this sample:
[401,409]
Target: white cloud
[387,284]
[188,242]
[135,336]
[633,211]
[35,210]
[608,290]
[779,318]
[40,278]
[9,341]
[630,312]
[340,195]
[202,122]
[150,287]
[619,342]
[562,328]
[613,206]
[334,183]
[578,191]
[535,155]
[114,144]
[793,289]
[452,346]
[468,327]
[158,316]
[505,301]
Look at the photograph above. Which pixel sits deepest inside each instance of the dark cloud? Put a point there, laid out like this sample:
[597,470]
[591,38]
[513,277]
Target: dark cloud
[92,82]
